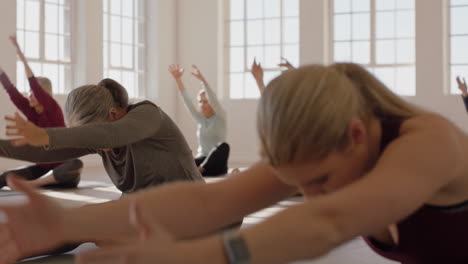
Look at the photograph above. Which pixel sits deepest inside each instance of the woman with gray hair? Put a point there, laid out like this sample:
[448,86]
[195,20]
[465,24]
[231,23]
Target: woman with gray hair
[41,109]
[213,151]
[139,144]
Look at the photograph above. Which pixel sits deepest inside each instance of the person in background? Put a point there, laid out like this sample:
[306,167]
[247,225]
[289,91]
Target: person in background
[213,151]
[41,109]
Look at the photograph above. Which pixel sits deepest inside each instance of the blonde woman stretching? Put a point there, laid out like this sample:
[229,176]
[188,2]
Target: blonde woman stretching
[369,164]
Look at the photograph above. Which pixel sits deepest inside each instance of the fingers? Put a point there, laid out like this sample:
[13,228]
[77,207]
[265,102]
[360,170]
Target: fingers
[13,133]
[19,185]
[175,70]
[16,118]
[195,67]
[10,118]
[19,142]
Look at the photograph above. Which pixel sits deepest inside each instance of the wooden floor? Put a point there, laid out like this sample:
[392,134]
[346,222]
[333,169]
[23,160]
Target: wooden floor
[97,188]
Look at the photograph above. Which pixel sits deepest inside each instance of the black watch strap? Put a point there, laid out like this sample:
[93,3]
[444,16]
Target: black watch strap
[235,248]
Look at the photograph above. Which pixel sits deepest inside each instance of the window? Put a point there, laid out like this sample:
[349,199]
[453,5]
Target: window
[44,34]
[458,37]
[379,34]
[265,30]
[124,51]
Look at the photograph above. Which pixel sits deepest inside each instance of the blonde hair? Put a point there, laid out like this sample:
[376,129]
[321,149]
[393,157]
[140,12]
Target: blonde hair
[45,84]
[91,103]
[305,112]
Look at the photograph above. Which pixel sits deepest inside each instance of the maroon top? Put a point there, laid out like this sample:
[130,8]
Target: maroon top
[52,115]
[432,234]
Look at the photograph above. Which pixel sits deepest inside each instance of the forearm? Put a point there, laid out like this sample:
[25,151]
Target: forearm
[260,84]
[27,69]
[179,208]
[185,209]
[180,84]
[309,234]
[212,98]
[38,154]
[190,107]
[206,250]
[140,123]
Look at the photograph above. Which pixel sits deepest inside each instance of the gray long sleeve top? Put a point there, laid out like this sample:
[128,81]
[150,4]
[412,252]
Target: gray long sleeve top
[210,131]
[146,148]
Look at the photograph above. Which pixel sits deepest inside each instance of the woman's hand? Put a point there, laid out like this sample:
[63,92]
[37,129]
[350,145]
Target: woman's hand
[32,228]
[462,86]
[285,64]
[14,41]
[176,71]
[156,245]
[257,72]
[197,73]
[28,133]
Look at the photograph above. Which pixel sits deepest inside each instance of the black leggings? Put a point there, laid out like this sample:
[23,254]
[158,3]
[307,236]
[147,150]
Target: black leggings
[66,174]
[215,163]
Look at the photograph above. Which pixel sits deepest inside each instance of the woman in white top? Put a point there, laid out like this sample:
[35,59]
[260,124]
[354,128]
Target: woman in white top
[213,151]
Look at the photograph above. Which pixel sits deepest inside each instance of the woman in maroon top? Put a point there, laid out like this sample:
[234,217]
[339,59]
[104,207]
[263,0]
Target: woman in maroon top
[42,110]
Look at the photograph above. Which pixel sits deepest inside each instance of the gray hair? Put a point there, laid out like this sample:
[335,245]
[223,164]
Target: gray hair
[45,84]
[91,103]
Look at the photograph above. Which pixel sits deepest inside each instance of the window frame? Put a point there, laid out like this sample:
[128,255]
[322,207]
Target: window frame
[42,60]
[141,88]
[372,65]
[226,46]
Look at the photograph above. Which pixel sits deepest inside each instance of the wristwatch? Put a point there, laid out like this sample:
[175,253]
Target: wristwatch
[235,248]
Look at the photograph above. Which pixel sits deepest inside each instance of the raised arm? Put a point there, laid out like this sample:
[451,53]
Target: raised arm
[463,88]
[177,73]
[286,64]
[20,53]
[257,73]
[139,123]
[16,97]
[211,95]
[41,95]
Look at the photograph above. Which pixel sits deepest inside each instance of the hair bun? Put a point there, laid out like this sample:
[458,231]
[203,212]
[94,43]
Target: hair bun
[118,92]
